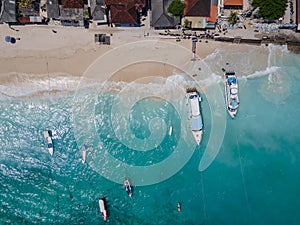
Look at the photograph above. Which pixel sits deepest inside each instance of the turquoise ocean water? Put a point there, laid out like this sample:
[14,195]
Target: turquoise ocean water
[254,179]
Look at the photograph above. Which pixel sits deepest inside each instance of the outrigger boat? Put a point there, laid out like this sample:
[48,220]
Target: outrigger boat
[194,114]
[102,209]
[128,187]
[48,137]
[231,93]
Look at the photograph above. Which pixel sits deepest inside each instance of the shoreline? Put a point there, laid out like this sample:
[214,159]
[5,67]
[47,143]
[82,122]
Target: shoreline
[41,54]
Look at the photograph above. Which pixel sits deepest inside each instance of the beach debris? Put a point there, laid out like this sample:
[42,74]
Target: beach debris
[12,40]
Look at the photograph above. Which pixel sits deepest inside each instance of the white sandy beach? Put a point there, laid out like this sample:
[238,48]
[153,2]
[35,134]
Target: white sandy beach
[43,54]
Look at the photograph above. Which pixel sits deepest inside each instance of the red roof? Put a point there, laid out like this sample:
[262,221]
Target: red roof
[298,11]
[72,4]
[213,14]
[124,11]
[233,2]
[197,8]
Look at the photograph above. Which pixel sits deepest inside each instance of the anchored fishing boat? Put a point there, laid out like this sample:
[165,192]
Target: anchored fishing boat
[103,209]
[194,114]
[128,187]
[231,93]
[48,137]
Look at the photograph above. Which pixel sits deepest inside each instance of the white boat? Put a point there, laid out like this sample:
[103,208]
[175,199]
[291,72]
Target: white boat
[170,130]
[231,93]
[48,137]
[103,209]
[128,187]
[83,156]
[194,114]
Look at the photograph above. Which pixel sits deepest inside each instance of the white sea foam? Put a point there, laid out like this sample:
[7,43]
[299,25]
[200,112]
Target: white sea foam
[261,73]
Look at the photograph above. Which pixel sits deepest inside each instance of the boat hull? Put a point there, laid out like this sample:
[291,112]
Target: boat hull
[198,136]
[194,114]
[49,142]
[128,187]
[102,209]
[83,156]
[231,94]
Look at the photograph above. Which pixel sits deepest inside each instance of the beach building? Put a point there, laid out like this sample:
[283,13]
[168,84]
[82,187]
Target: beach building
[233,4]
[30,14]
[200,14]
[99,12]
[226,6]
[159,16]
[125,12]
[8,11]
[72,12]
[213,15]
[298,15]
[52,9]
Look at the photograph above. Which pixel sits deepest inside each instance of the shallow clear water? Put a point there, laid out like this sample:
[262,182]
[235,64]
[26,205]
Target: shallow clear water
[254,178]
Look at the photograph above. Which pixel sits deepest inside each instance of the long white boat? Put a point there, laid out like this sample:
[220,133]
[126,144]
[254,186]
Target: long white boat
[194,114]
[231,93]
[83,159]
[128,187]
[102,209]
[48,137]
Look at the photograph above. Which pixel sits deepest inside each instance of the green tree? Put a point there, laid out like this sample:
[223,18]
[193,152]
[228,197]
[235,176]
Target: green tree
[176,8]
[187,23]
[270,9]
[233,17]
[24,4]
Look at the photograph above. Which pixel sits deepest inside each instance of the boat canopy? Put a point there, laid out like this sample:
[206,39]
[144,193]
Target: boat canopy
[101,204]
[234,104]
[231,80]
[195,105]
[196,123]
[50,145]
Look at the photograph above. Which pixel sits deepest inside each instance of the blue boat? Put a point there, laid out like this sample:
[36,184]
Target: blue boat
[194,114]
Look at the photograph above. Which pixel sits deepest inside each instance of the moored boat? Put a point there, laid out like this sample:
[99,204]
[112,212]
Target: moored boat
[170,130]
[231,93]
[103,209]
[128,187]
[83,156]
[178,207]
[194,114]
[48,137]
